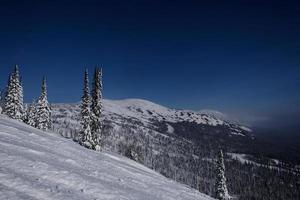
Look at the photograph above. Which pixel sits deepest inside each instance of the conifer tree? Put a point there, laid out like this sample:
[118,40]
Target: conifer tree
[25,110]
[43,112]
[13,102]
[220,185]
[96,108]
[31,114]
[85,136]
[8,98]
[2,97]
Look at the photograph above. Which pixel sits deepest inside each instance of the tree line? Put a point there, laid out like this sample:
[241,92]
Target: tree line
[37,114]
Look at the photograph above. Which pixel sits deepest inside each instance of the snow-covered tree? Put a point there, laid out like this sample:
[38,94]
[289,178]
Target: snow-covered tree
[43,111]
[31,114]
[13,101]
[96,108]
[2,97]
[85,137]
[220,185]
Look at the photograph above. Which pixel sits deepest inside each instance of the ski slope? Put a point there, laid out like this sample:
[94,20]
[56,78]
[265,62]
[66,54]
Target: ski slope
[42,165]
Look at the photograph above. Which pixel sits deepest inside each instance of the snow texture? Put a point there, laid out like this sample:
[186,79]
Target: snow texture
[42,165]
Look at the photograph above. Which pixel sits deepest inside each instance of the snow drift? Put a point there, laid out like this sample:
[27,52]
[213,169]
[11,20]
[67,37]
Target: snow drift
[42,165]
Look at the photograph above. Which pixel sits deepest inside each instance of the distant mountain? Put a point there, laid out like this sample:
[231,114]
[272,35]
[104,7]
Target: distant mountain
[179,144]
[40,165]
[215,113]
[148,113]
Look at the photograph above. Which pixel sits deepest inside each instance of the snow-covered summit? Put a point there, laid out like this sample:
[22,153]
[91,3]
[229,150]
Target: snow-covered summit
[146,113]
[42,165]
[145,110]
[215,113]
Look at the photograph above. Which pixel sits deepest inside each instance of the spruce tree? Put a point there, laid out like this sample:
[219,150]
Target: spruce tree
[85,137]
[13,101]
[31,114]
[2,97]
[43,113]
[8,98]
[96,108]
[220,185]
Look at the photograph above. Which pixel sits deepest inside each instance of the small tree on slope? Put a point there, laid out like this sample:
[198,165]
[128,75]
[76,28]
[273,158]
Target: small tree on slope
[96,108]
[220,185]
[2,97]
[13,101]
[31,114]
[43,112]
[85,137]
[6,99]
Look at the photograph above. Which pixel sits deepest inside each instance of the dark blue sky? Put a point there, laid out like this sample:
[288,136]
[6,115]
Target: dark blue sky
[239,57]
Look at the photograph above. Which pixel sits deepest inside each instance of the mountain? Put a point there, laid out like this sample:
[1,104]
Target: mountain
[215,113]
[42,165]
[182,144]
[153,120]
[147,113]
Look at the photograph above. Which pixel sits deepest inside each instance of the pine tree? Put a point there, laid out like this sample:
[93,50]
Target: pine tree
[220,185]
[2,97]
[85,136]
[31,114]
[9,98]
[43,113]
[96,108]
[13,102]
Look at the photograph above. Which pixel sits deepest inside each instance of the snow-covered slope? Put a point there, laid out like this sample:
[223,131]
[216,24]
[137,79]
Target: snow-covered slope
[216,114]
[146,112]
[42,165]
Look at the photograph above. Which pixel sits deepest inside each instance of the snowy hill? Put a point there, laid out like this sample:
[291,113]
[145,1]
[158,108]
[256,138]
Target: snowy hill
[43,165]
[146,113]
[215,113]
[146,110]
[176,143]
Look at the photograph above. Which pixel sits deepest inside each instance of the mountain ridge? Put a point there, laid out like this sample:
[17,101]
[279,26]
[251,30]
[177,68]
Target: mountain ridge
[145,111]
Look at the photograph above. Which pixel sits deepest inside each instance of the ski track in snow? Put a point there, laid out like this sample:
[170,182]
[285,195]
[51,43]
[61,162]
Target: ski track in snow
[37,165]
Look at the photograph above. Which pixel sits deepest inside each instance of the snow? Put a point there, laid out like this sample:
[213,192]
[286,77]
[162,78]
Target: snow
[42,165]
[240,157]
[214,113]
[235,132]
[170,128]
[146,110]
[145,113]
[276,161]
[246,128]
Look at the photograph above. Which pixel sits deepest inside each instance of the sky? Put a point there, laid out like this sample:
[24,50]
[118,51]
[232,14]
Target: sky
[238,57]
